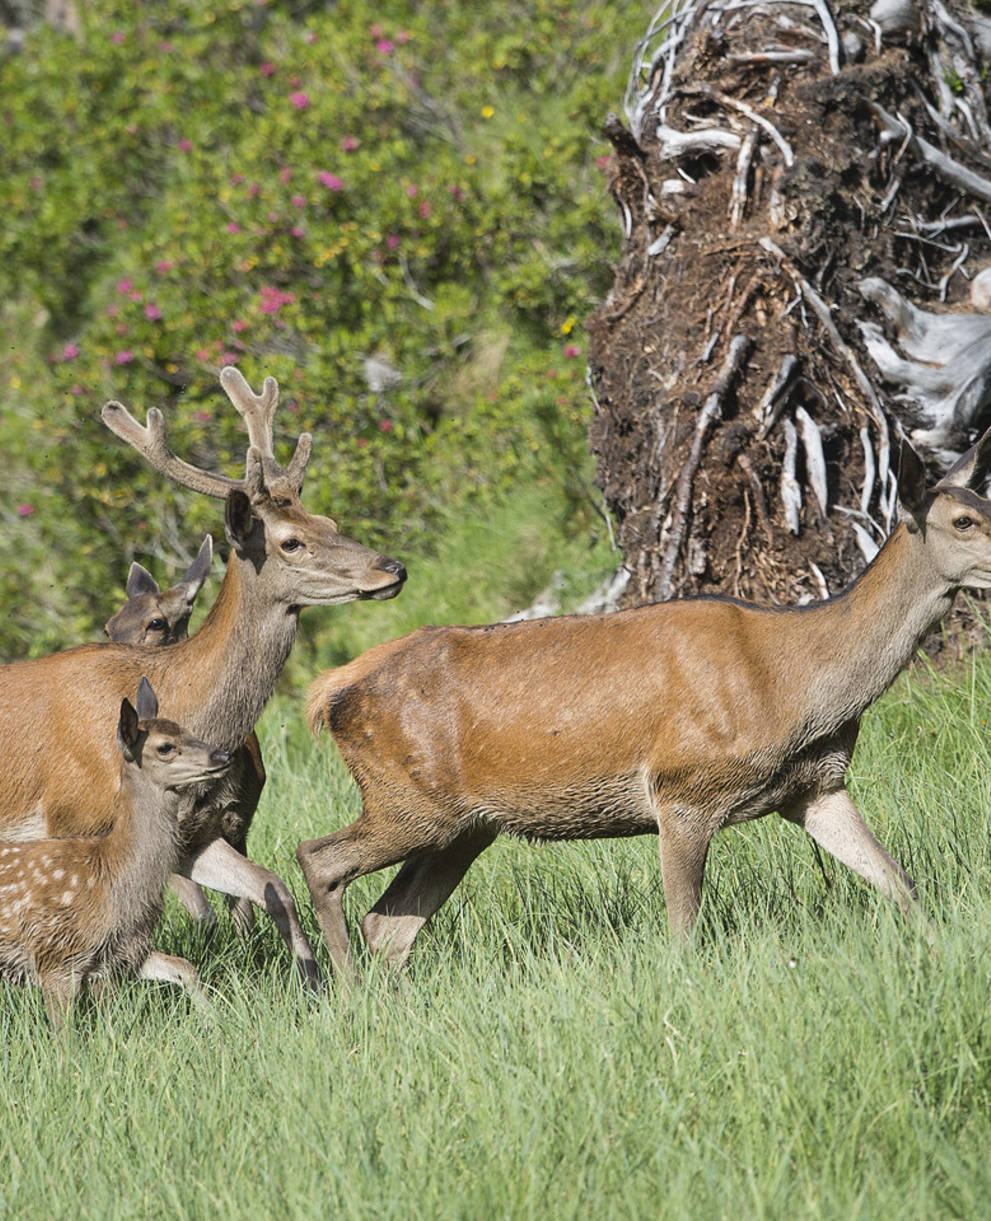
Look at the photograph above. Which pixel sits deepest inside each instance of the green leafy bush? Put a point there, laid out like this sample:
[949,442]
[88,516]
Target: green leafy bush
[299,190]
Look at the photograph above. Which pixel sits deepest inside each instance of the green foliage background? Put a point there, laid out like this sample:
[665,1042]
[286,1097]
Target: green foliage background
[295,188]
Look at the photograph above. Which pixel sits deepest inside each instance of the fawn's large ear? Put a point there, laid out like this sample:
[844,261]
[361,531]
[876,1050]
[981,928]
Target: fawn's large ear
[970,470]
[128,731]
[239,520]
[140,581]
[913,493]
[198,571]
[147,701]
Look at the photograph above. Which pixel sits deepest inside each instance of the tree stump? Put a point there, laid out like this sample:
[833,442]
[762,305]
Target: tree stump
[804,193]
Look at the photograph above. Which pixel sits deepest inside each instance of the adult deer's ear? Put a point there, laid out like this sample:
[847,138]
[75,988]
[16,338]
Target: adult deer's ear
[147,701]
[198,571]
[239,520]
[971,469]
[140,581]
[913,494]
[127,731]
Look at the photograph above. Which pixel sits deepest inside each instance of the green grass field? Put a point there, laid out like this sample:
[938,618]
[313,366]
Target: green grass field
[551,1054]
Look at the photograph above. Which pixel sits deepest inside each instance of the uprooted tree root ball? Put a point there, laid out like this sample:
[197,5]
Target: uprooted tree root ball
[804,193]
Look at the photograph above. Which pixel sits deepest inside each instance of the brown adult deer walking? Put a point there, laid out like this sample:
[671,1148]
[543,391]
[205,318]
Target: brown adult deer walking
[80,912]
[56,735]
[679,719]
[155,617]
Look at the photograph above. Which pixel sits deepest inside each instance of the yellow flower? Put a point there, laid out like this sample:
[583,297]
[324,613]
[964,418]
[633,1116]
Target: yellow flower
[488,112]
[567,325]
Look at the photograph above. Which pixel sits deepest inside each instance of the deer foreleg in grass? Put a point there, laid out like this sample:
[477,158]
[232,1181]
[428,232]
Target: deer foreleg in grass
[835,823]
[223,868]
[684,847]
[171,970]
[194,901]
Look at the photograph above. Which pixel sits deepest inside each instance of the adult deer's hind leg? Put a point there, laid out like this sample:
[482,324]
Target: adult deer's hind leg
[423,884]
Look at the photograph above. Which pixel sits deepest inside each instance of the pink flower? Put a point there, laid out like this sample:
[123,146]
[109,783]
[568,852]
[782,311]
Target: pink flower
[70,351]
[239,325]
[375,30]
[201,417]
[267,69]
[164,265]
[425,209]
[185,146]
[330,181]
[402,37]
[412,190]
[273,299]
[602,162]
[124,358]
[455,191]
[117,37]
[229,358]
[152,312]
[254,189]
[361,442]
[392,241]
[385,425]
[571,350]
[135,296]
[36,183]
[124,286]
[111,311]
[165,47]
[76,390]
[350,143]
[273,217]
[202,355]
[233,227]
[285,174]
[25,510]
[299,201]
[236,179]
[299,100]
[309,36]
[384,46]
[296,231]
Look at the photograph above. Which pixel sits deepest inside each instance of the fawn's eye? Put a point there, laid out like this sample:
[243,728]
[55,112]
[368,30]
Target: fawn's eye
[157,625]
[290,545]
[964,523]
[165,750]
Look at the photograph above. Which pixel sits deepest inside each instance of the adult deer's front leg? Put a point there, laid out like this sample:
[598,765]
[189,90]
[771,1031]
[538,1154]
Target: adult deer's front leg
[684,846]
[223,868]
[835,822]
[194,901]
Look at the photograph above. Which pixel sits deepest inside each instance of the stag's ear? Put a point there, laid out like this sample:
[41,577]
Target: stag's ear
[970,470]
[198,571]
[140,581]
[912,490]
[239,520]
[147,701]
[128,731]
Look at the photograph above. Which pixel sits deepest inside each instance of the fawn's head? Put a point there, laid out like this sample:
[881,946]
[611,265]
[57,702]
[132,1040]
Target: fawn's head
[166,755]
[953,520]
[153,616]
[301,558]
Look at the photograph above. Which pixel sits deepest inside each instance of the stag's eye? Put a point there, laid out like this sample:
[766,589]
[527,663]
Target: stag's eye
[290,545]
[963,524]
[157,625]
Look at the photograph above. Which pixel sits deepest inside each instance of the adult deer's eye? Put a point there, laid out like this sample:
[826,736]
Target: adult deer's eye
[963,524]
[157,625]
[290,545]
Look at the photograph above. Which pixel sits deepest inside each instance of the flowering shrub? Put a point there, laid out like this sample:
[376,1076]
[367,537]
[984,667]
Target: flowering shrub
[305,193]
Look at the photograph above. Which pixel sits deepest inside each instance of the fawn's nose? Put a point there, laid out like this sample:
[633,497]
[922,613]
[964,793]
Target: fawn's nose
[220,758]
[394,567]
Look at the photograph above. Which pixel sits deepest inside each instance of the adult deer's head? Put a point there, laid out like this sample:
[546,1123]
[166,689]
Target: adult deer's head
[153,616]
[301,557]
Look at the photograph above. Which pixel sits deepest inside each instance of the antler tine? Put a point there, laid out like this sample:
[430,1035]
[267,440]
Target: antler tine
[258,409]
[150,443]
[296,469]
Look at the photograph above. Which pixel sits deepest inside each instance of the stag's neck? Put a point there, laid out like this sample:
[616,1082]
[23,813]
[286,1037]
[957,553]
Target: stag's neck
[860,641]
[140,850]
[236,658]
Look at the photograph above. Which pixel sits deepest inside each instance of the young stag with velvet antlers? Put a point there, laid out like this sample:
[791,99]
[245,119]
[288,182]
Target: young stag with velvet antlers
[678,719]
[56,735]
[81,911]
[154,617]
